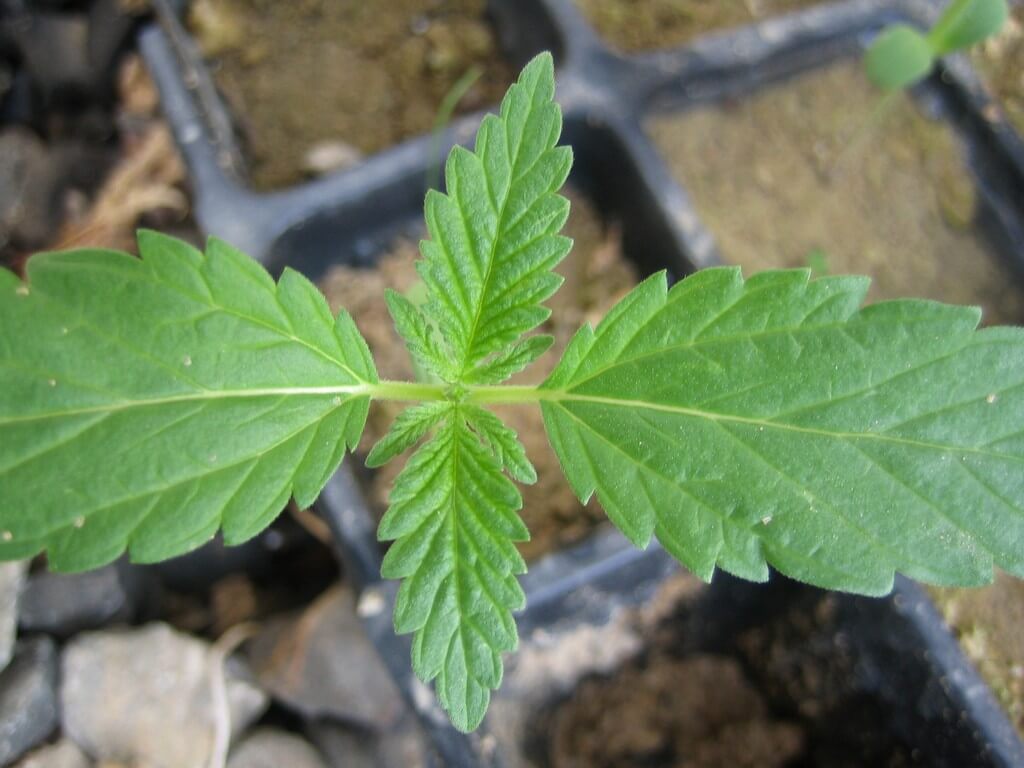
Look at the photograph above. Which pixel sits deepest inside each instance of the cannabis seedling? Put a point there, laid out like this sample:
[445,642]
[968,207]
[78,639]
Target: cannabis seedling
[902,56]
[147,403]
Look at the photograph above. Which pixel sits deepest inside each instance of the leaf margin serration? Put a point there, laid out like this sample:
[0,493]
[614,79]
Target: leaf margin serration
[76,538]
[577,378]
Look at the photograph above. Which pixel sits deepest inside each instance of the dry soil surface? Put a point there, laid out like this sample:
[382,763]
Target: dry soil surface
[305,74]
[644,25]
[819,171]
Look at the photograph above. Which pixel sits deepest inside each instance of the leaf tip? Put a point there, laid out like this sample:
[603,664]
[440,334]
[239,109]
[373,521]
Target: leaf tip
[543,62]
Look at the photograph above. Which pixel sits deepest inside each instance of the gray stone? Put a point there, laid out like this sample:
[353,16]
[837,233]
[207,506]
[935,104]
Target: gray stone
[400,746]
[345,747]
[64,754]
[54,48]
[64,604]
[144,696]
[330,157]
[272,748]
[28,698]
[12,577]
[322,664]
[30,181]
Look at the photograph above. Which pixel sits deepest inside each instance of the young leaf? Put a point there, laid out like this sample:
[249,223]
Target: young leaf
[503,441]
[146,403]
[494,237]
[899,57]
[487,269]
[408,429]
[453,514]
[510,360]
[427,350]
[966,22]
[772,422]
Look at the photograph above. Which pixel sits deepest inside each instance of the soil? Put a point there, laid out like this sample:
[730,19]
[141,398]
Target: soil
[596,276]
[801,660]
[820,171]
[645,25]
[373,73]
[1001,61]
[699,711]
[990,625]
[779,693]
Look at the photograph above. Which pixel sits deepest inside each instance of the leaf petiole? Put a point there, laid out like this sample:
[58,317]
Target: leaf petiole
[410,391]
[506,393]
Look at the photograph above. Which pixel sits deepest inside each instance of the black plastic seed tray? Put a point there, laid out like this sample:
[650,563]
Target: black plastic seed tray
[904,680]
[907,661]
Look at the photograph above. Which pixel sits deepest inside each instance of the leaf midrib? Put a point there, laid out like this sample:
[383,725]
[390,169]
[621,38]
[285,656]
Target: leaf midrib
[559,397]
[498,232]
[697,342]
[868,536]
[257,456]
[453,520]
[348,390]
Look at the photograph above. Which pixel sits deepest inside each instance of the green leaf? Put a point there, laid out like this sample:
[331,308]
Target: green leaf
[772,422]
[503,441]
[966,22]
[899,57]
[487,269]
[428,351]
[494,237]
[146,403]
[408,429]
[453,515]
[511,360]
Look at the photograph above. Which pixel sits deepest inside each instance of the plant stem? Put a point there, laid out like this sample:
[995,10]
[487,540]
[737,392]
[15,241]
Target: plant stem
[865,130]
[444,116]
[506,393]
[408,390]
[424,392]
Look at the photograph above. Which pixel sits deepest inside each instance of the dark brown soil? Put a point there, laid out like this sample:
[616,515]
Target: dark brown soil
[313,72]
[596,276]
[820,166]
[645,25]
[801,661]
[711,694]
[698,712]
[1001,61]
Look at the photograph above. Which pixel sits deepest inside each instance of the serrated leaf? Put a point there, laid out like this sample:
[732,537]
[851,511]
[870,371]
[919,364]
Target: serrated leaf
[428,351]
[408,428]
[145,404]
[503,442]
[774,422]
[966,22]
[494,242]
[511,360]
[453,515]
[899,57]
